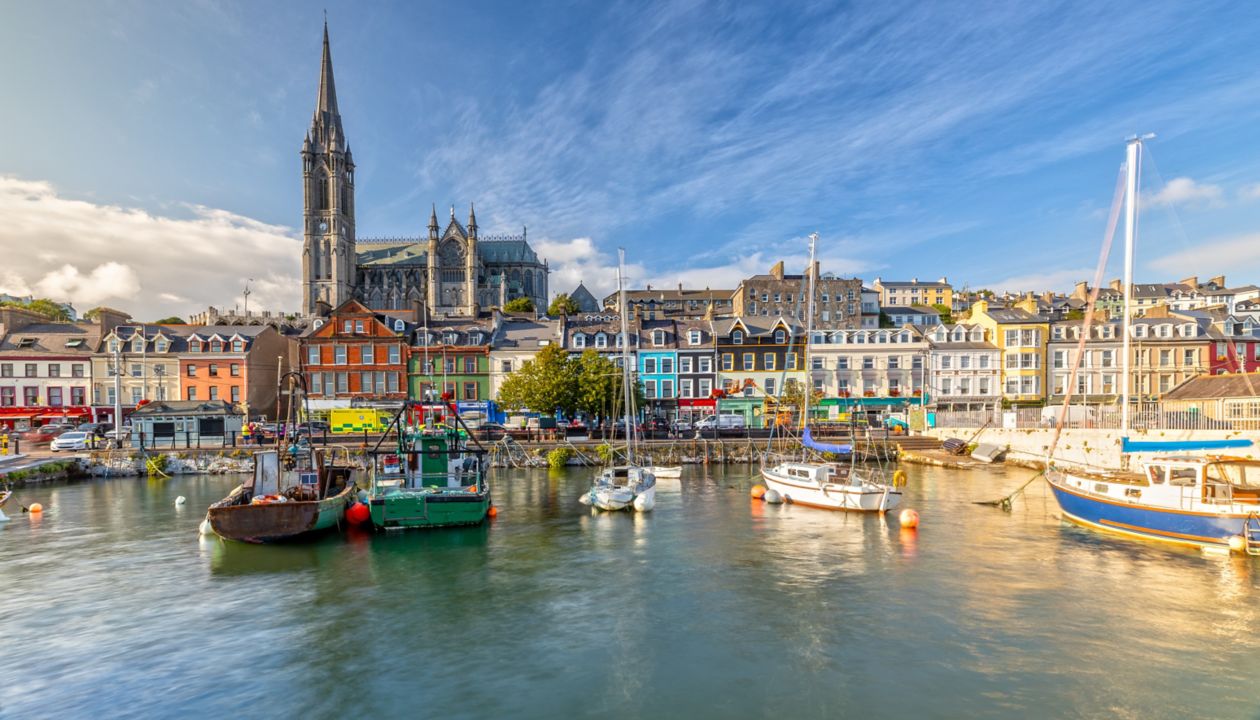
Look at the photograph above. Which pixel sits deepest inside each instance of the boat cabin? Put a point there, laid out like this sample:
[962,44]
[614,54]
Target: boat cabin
[819,474]
[1183,482]
[428,458]
[638,478]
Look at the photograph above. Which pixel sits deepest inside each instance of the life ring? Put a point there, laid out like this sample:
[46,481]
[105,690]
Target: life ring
[267,499]
[899,478]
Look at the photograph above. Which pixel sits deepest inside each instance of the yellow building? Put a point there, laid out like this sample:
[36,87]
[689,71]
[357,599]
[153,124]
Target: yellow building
[1020,333]
[914,292]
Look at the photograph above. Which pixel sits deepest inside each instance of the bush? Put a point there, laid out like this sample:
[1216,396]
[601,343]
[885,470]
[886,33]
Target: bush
[559,457]
[606,454]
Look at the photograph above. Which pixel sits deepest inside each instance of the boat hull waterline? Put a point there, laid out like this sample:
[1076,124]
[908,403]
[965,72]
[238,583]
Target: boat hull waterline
[833,496]
[1180,527]
[279,521]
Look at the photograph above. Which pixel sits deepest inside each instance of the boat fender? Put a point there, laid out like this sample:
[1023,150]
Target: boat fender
[774,497]
[204,528]
[585,499]
[899,478]
[644,503]
[180,500]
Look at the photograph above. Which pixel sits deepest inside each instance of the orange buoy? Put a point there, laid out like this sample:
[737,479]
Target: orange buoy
[758,491]
[35,508]
[493,511]
[358,513]
[909,518]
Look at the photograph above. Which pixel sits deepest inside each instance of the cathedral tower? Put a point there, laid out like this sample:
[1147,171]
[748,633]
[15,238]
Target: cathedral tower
[328,252]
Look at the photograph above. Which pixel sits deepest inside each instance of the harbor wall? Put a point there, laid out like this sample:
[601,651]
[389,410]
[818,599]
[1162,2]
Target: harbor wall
[1093,447]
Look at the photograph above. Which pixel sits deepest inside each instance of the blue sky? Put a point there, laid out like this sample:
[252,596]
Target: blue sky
[979,141]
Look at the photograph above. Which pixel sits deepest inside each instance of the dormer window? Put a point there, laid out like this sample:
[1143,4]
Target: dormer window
[658,337]
[601,340]
[161,345]
[737,337]
[194,345]
[216,346]
[693,337]
[451,338]
[238,345]
[579,340]
[137,344]
[780,337]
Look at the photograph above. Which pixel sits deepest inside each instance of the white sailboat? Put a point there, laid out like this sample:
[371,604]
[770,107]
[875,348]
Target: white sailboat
[1186,498]
[629,486]
[831,486]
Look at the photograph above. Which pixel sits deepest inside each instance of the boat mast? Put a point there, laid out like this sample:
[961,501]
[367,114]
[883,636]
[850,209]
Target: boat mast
[1133,167]
[627,394]
[809,331]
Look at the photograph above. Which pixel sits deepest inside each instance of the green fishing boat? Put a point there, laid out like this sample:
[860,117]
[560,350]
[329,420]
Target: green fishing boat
[432,479]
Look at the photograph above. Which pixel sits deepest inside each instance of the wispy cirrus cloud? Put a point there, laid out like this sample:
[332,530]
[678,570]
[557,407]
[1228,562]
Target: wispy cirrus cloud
[764,122]
[1187,191]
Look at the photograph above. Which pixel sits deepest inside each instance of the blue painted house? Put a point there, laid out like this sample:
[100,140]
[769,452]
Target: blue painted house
[658,367]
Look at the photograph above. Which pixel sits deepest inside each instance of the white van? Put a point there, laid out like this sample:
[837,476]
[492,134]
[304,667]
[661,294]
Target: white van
[724,421]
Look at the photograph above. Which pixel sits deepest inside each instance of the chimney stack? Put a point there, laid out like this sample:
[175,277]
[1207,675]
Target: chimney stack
[1192,281]
[777,270]
[1218,281]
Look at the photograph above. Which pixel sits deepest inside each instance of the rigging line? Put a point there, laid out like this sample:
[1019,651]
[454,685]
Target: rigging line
[1101,269]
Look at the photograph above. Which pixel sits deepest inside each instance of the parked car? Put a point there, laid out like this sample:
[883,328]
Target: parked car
[682,425]
[38,435]
[98,428]
[315,427]
[73,440]
[721,422]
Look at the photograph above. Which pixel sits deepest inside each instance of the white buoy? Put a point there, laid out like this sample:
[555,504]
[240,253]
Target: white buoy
[644,503]
[204,528]
[585,499]
[180,500]
[773,497]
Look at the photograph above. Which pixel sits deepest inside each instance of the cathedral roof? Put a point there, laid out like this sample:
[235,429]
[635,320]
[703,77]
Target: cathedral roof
[414,251]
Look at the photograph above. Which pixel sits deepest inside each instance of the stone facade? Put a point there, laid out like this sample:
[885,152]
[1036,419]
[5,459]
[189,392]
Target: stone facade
[837,301]
[450,272]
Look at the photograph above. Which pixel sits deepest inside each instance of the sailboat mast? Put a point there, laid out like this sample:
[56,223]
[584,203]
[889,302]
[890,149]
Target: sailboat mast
[1133,167]
[625,354]
[809,330]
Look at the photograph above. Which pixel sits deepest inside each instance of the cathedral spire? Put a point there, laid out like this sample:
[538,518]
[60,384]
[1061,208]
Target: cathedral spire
[433,219]
[472,219]
[327,116]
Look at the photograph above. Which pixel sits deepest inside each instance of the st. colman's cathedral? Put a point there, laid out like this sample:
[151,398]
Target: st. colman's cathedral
[454,271]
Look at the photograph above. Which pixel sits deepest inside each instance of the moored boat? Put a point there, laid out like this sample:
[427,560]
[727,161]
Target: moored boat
[630,486]
[830,486]
[1203,501]
[432,479]
[663,472]
[287,498]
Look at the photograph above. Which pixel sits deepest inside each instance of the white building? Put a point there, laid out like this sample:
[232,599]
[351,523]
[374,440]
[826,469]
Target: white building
[965,371]
[882,366]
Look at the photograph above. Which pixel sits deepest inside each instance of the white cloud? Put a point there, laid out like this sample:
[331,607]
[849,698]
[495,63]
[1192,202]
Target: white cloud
[151,265]
[1250,192]
[1239,255]
[1186,191]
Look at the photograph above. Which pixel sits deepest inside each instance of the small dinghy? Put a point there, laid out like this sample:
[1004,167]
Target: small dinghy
[673,472]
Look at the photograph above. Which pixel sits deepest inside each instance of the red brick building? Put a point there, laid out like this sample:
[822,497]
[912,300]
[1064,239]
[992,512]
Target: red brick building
[355,355]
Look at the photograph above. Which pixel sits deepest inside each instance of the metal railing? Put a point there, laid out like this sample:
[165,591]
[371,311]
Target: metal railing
[1143,416]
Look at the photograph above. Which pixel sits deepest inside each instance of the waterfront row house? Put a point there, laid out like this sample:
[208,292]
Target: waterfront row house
[452,358]
[914,292]
[657,364]
[965,369]
[518,339]
[1019,333]
[880,369]
[45,369]
[356,357]
[697,369]
[757,360]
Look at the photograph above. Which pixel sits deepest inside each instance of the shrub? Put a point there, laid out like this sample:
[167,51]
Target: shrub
[559,457]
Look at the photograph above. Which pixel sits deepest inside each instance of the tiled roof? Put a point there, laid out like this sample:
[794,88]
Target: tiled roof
[1211,387]
[46,338]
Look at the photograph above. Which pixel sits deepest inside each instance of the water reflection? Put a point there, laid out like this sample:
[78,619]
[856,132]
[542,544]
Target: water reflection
[711,605]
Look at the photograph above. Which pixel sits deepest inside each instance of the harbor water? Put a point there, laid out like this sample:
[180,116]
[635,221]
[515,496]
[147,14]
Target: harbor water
[714,605]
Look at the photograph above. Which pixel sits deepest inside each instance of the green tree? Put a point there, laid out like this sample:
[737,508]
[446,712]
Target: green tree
[520,304]
[947,313]
[43,306]
[92,314]
[543,384]
[1074,314]
[598,384]
[562,304]
[172,320]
